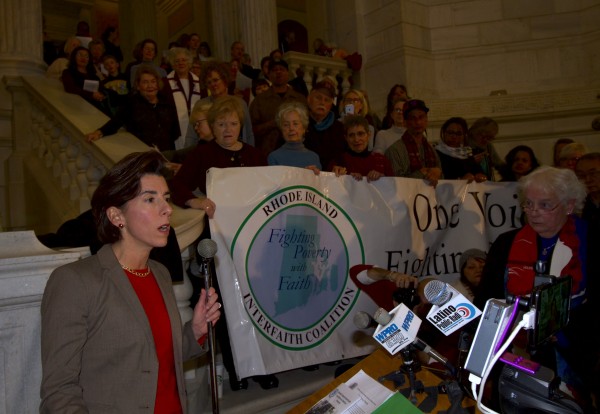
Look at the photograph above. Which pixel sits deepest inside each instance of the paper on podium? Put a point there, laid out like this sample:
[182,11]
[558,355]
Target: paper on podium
[361,394]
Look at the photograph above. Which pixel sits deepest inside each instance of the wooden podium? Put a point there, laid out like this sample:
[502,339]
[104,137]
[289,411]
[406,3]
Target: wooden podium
[377,364]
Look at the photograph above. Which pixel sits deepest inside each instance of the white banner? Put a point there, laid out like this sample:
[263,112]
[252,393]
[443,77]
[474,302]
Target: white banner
[287,240]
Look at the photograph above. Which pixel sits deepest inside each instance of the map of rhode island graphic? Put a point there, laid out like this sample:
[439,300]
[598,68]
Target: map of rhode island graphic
[306,271]
[296,267]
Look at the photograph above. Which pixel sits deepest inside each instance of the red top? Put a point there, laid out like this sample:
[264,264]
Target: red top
[167,395]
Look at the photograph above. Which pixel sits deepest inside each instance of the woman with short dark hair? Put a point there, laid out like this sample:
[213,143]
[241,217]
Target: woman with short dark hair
[80,78]
[520,161]
[112,337]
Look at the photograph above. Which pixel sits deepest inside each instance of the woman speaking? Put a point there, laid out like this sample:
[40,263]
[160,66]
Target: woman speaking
[112,338]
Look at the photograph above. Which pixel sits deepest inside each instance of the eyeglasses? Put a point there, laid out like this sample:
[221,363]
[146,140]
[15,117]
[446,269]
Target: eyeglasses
[544,207]
[398,110]
[353,100]
[198,122]
[213,80]
[570,160]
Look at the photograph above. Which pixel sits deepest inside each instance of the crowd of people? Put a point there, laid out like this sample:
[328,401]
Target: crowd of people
[200,113]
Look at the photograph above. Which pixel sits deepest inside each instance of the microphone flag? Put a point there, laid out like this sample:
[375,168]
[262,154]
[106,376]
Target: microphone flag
[400,331]
[454,313]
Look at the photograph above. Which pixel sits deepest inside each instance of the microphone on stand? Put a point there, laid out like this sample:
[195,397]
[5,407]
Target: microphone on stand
[207,249]
[381,317]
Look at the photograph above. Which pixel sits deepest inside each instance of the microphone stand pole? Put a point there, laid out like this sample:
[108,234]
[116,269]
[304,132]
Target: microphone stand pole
[211,342]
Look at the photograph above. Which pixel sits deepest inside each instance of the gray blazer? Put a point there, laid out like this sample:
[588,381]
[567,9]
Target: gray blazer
[98,352]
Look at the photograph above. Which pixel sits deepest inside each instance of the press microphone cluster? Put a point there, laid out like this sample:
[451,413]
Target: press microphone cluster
[384,321]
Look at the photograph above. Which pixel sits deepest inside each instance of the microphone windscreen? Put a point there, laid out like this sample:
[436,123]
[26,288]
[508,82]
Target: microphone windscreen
[207,248]
[362,320]
[382,317]
[436,292]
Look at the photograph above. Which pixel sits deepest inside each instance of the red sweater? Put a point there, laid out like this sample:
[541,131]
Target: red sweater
[167,396]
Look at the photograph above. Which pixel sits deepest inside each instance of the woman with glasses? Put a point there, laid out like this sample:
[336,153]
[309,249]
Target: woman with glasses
[184,87]
[456,158]
[216,78]
[355,103]
[556,241]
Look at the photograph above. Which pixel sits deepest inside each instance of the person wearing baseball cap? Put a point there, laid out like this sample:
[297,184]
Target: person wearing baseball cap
[325,134]
[412,156]
[264,107]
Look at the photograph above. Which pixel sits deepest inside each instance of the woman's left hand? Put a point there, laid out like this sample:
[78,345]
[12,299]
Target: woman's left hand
[206,310]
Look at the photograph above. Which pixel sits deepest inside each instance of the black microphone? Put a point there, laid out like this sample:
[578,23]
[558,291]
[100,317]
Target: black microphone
[207,249]
[437,292]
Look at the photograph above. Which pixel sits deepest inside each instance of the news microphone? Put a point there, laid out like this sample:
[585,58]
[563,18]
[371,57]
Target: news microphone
[362,320]
[381,317]
[436,292]
[451,310]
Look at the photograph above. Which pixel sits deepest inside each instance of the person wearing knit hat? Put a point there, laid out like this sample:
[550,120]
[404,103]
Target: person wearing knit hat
[471,266]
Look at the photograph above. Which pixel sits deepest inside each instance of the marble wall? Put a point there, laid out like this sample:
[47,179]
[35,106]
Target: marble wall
[464,49]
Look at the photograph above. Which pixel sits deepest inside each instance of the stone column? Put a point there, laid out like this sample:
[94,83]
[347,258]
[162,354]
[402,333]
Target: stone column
[258,27]
[137,21]
[20,54]
[21,37]
[225,25]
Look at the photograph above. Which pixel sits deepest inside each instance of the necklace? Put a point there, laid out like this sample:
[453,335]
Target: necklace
[545,251]
[136,273]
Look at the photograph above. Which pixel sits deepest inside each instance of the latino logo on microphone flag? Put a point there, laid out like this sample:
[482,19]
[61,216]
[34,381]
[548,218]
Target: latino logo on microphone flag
[454,314]
[466,310]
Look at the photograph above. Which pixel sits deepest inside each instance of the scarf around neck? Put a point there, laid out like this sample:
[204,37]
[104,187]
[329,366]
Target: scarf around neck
[414,154]
[325,123]
[567,258]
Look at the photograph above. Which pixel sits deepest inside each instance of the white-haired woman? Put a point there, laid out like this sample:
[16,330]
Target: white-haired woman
[557,238]
[292,120]
[184,86]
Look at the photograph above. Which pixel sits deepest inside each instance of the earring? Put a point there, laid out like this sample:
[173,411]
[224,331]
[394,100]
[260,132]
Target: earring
[121,225]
